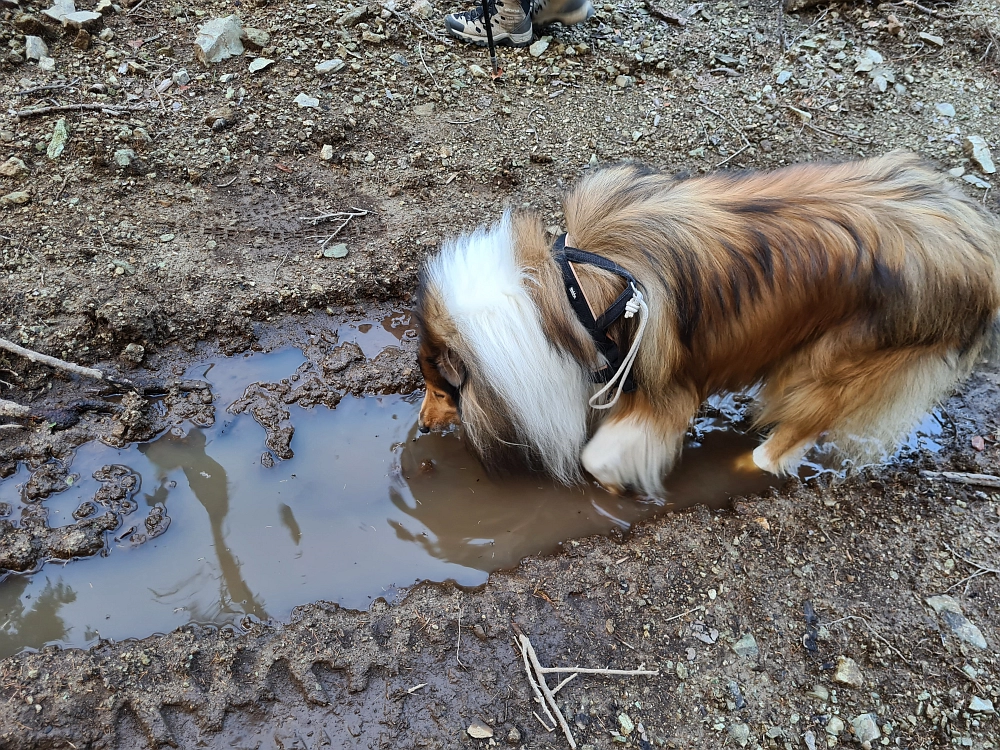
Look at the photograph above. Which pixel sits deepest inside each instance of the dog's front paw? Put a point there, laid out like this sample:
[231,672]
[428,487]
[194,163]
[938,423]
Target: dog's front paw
[628,454]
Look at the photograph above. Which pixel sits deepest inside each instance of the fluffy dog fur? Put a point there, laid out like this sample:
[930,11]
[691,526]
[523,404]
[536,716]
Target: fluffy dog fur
[855,295]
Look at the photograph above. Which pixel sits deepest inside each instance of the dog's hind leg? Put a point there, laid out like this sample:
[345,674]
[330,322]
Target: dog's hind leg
[863,401]
[639,442]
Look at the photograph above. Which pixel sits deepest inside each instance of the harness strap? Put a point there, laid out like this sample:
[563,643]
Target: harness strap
[596,327]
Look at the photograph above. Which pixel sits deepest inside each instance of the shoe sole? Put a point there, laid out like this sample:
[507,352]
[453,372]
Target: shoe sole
[506,40]
[581,14]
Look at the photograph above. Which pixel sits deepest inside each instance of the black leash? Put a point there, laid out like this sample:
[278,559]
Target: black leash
[596,327]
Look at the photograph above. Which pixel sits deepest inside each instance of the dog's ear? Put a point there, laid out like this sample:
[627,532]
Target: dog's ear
[452,368]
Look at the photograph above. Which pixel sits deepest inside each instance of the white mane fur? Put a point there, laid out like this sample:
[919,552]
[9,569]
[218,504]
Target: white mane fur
[478,279]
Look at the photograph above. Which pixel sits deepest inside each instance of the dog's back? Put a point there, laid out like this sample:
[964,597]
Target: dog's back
[857,293]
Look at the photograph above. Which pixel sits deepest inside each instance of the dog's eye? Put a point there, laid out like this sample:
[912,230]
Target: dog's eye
[438,394]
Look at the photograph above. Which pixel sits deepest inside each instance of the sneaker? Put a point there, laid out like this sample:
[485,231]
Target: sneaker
[510,24]
[566,12]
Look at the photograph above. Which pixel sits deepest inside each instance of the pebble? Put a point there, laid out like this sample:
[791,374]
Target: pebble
[477,72]
[935,40]
[848,673]
[124,157]
[784,77]
[326,153]
[538,48]
[982,705]
[256,38]
[746,646]
[945,109]
[105,7]
[626,723]
[166,238]
[480,632]
[17,198]
[835,726]
[810,739]
[423,110]
[329,66]
[623,82]
[946,607]
[335,251]
[513,736]
[867,61]
[60,9]
[304,100]
[181,77]
[422,8]
[58,141]
[353,16]
[865,728]
[219,39]
[978,182]
[740,733]
[15,168]
[819,691]
[977,149]
[480,731]
[82,19]
[47,64]
[259,64]
[35,48]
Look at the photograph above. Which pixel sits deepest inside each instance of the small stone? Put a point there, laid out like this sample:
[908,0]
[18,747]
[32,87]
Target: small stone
[774,732]
[810,739]
[820,691]
[35,48]
[802,114]
[370,158]
[17,198]
[353,16]
[746,646]
[166,238]
[626,723]
[978,182]
[219,39]
[592,163]
[124,157]
[480,632]
[303,100]
[867,61]
[477,72]
[422,8]
[58,141]
[259,64]
[935,40]
[371,37]
[82,40]
[740,733]
[181,77]
[537,49]
[14,168]
[682,671]
[329,66]
[134,353]
[60,9]
[47,64]
[480,731]
[326,153]
[220,117]
[423,110]
[848,673]
[865,728]
[835,726]
[624,82]
[945,109]
[977,149]
[256,39]
[105,7]
[513,736]
[784,77]
[945,606]
[981,705]
[335,251]
[82,19]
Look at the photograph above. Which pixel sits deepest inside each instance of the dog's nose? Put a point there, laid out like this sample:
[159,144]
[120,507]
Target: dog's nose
[424,429]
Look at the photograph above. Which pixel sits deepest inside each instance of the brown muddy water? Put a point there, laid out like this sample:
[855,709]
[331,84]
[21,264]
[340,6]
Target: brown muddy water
[366,507]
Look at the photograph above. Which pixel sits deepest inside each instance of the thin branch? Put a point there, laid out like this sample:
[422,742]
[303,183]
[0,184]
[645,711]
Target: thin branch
[47,87]
[534,686]
[11,409]
[45,359]
[107,109]
[562,684]
[583,670]
[961,477]
[549,695]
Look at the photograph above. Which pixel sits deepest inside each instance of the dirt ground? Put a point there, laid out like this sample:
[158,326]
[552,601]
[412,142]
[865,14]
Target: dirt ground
[184,221]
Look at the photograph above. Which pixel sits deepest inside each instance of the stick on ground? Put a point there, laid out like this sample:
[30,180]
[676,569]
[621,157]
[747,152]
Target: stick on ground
[45,359]
[961,477]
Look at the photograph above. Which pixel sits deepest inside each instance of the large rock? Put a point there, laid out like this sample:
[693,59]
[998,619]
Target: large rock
[977,149]
[60,9]
[951,614]
[60,135]
[83,19]
[219,39]
[35,48]
[16,198]
[15,168]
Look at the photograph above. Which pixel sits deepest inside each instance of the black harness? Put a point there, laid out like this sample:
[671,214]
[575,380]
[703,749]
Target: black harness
[597,328]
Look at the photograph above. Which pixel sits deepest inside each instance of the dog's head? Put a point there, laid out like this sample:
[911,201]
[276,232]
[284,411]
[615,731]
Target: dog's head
[443,371]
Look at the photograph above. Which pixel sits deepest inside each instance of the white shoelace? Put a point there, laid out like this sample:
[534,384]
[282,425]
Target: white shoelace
[635,305]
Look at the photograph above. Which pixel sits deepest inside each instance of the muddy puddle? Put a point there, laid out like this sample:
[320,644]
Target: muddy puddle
[367,506]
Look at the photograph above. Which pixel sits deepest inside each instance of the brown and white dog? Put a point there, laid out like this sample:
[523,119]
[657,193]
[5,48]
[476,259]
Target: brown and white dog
[854,295]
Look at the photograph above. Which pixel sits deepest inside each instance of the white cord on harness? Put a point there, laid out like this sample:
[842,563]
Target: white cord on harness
[635,305]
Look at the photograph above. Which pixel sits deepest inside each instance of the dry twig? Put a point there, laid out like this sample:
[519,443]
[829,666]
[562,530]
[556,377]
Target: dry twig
[106,108]
[47,87]
[45,359]
[961,477]
[11,409]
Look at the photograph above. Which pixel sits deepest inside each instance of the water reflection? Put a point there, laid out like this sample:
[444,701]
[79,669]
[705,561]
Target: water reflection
[35,624]
[207,479]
